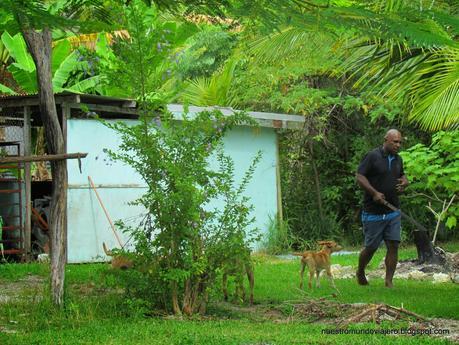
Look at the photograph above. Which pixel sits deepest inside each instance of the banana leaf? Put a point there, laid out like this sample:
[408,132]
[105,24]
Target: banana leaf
[18,51]
[6,90]
[63,72]
[84,85]
[4,54]
[60,53]
[25,79]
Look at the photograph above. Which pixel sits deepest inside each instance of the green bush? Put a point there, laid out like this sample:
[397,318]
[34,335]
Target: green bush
[183,241]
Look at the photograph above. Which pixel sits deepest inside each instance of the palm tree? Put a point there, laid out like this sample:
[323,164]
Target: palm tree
[213,90]
[399,48]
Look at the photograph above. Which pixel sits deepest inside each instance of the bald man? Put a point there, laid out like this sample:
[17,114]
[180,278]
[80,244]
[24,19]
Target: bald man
[381,176]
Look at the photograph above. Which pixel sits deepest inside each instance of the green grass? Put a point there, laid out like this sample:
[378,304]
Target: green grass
[154,331]
[279,281]
[95,315]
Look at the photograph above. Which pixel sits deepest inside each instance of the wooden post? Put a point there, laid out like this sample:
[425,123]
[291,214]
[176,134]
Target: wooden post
[27,185]
[65,116]
[39,43]
[280,216]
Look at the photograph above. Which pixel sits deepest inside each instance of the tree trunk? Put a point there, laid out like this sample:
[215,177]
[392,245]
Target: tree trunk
[175,299]
[316,180]
[39,44]
[425,249]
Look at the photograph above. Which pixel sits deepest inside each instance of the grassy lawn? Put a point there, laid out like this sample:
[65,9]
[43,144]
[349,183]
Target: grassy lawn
[95,315]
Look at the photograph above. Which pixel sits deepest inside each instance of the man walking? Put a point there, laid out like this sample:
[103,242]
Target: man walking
[381,176]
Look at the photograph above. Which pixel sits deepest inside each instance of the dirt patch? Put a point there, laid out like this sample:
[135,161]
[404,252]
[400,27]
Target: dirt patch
[31,286]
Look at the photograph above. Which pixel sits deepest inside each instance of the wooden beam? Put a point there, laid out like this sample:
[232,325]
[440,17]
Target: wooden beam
[104,108]
[129,104]
[21,101]
[24,159]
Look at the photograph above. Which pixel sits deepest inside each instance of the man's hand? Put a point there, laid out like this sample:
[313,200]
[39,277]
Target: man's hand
[401,185]
[379,197]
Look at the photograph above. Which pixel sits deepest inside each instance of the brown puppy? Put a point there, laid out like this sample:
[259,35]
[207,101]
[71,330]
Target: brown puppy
[318,261]
[119,261]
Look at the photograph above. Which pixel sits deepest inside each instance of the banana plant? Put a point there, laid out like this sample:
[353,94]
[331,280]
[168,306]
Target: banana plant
[4,57]
[23,70]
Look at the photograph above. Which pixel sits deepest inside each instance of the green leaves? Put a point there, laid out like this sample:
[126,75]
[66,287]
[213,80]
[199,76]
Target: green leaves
[64,63]
[63,72]
[434,170]
[211,91]
[23,67]
[435,94]
[18,51]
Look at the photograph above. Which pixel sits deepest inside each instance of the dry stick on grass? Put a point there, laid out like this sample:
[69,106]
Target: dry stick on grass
[374,311]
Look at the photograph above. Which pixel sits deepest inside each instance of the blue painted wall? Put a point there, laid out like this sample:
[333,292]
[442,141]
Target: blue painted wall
[118,184]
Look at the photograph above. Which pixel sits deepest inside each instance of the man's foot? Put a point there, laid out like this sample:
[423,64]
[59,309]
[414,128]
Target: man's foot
[361,279]
[388,284]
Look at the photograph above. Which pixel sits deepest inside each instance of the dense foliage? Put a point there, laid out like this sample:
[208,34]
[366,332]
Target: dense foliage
[434,172]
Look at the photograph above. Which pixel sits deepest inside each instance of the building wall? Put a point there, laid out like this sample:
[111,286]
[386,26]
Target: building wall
[118,184]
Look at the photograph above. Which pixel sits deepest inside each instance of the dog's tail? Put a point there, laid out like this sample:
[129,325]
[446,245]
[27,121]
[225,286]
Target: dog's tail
[107,252]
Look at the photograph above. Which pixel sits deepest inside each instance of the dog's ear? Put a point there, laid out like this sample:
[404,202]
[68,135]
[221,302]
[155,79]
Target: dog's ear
[324,243]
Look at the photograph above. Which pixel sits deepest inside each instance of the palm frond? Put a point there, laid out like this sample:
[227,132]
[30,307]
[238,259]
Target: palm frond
[291,42]
[213,90]
[435,98]
[38,14]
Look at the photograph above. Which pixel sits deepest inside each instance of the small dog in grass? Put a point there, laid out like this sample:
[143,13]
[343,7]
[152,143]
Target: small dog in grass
[236,269]
[318,261]
[119,261]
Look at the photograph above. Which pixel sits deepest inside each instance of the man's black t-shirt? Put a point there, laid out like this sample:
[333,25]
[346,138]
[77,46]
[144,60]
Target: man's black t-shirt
[375,167]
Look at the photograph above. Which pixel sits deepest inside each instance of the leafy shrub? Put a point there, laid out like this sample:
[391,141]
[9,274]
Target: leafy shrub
[183,241]
[434,174]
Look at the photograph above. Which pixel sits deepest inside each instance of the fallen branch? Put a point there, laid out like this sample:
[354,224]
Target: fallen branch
[375,312]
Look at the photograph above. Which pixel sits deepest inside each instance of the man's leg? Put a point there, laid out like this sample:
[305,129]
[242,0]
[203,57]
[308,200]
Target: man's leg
[392,238]
[365,257]
[373,232]
[391,261]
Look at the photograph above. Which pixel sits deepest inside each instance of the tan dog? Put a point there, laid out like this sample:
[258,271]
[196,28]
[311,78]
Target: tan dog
[119,261]
[318,261]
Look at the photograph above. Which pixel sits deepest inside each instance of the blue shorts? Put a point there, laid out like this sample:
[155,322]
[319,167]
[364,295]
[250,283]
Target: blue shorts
[377,231]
